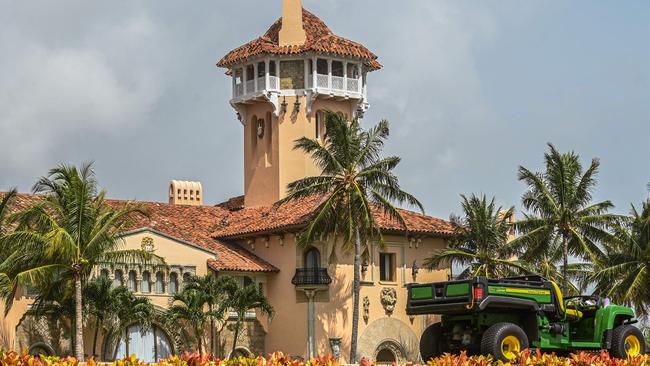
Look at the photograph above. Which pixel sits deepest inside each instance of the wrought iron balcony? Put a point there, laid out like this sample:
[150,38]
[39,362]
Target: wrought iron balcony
[311,277]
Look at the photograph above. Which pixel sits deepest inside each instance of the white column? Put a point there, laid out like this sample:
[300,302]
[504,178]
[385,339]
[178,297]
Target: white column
[345,76]
[329,73]
[267,74]
[311,326]
[277,73]
[360,78]
[314,76]
[306,73]
[244,78]
[255,73]
[234,82]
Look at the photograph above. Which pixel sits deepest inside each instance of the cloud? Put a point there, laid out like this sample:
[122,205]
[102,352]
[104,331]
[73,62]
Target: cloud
[54,95]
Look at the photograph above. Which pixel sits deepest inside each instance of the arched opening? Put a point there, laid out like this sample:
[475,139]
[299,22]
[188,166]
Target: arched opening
[186,277]
[149,345]
[40,349]
[385,357]
[241,352]
[132,282]
[118,280]
[312,258]
[145,286]
[160,283]
[173,283]
[103,274]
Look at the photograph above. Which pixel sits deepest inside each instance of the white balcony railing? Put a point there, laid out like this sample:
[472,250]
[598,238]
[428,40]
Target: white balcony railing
[250,86]
[322,81]
[353,85]
[274,83]
[337,83]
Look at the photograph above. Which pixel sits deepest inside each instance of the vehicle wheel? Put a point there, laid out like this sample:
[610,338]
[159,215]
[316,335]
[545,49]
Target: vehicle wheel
[431,342]
[504,341]
[627,340]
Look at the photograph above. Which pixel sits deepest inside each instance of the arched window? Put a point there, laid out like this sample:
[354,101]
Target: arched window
[173,283]
[132,282]
[312,258]
[145,286]
[160,283]
[103,274]
[186,277]
[148,345]
[118,280]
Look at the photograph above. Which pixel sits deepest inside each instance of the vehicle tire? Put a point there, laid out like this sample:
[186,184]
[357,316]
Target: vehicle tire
[627,340]
[503,341]
[431,342]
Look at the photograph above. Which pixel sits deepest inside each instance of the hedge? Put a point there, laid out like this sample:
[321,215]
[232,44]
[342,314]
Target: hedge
[526,358]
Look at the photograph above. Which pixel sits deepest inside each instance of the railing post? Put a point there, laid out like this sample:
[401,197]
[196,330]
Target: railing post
[277,74]
[360,77]
[306,63]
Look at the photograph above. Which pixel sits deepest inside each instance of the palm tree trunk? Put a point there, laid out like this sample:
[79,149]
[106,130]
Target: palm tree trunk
[211,332]
[234,340]
[355,299]
[95,337]
[565,255]
[79,343]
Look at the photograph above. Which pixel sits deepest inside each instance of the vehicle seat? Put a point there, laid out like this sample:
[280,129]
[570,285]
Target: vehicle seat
[570,314]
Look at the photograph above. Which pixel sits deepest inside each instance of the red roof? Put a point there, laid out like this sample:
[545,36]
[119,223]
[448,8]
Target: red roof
[320,39]
[189,224]
[245,222]
[211,227]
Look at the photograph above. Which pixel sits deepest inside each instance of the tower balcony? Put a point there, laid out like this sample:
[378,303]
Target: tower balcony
[311,277]
[327,77]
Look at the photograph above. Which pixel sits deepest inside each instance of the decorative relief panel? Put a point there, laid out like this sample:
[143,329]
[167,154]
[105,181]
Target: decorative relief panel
[388,299]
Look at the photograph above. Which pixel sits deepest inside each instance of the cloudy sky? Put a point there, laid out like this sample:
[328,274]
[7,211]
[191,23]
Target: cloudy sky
[473,89]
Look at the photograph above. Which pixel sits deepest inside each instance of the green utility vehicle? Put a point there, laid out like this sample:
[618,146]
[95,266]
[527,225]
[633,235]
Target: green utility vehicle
[507,315]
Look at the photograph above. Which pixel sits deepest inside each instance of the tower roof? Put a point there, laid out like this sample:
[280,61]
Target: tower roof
[320,39]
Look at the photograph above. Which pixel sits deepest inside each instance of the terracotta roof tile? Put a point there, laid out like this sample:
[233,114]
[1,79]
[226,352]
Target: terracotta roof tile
[256,220]
[192,224]
[320,39]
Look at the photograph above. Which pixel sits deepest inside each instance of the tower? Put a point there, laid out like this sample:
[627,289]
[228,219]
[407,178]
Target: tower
[282,83]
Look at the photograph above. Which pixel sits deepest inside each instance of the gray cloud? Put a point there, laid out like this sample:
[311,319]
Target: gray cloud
[472,90]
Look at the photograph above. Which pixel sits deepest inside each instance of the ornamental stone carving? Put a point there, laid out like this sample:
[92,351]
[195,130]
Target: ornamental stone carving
[388,299]
[366,309]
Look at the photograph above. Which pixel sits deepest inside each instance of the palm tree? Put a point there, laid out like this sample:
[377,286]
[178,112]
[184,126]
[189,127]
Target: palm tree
[5,208]
[243,299]
[625,273]
[67,233]
[355,183]
[101,302]
[129,309]
[189,309]
[560,209]
[215,290]
[480,243]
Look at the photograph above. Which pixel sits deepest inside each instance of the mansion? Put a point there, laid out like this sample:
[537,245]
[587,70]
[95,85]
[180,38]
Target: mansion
[282,83]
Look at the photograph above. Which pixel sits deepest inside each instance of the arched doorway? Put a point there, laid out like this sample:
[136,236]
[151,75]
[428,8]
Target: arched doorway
[389,352]
[40,349]
[385,357]
[241,352]
[149,345]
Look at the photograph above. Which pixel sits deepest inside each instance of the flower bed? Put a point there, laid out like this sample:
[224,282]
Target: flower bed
[526,358]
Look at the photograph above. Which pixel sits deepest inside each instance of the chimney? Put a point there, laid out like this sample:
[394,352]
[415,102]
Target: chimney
[185,193]
[292,32]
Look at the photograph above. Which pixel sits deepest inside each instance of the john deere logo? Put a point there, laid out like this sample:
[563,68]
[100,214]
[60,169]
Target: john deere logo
[147,244]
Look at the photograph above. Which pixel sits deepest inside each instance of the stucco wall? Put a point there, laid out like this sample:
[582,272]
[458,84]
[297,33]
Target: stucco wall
[288,330]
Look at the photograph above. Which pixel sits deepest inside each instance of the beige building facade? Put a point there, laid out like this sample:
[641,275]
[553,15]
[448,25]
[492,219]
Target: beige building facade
[282,84]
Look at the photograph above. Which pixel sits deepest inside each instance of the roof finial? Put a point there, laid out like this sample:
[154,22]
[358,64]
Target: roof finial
[292,32]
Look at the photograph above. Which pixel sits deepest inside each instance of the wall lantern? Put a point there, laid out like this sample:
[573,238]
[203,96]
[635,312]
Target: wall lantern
[296,105]
[360,113]
[284,105]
